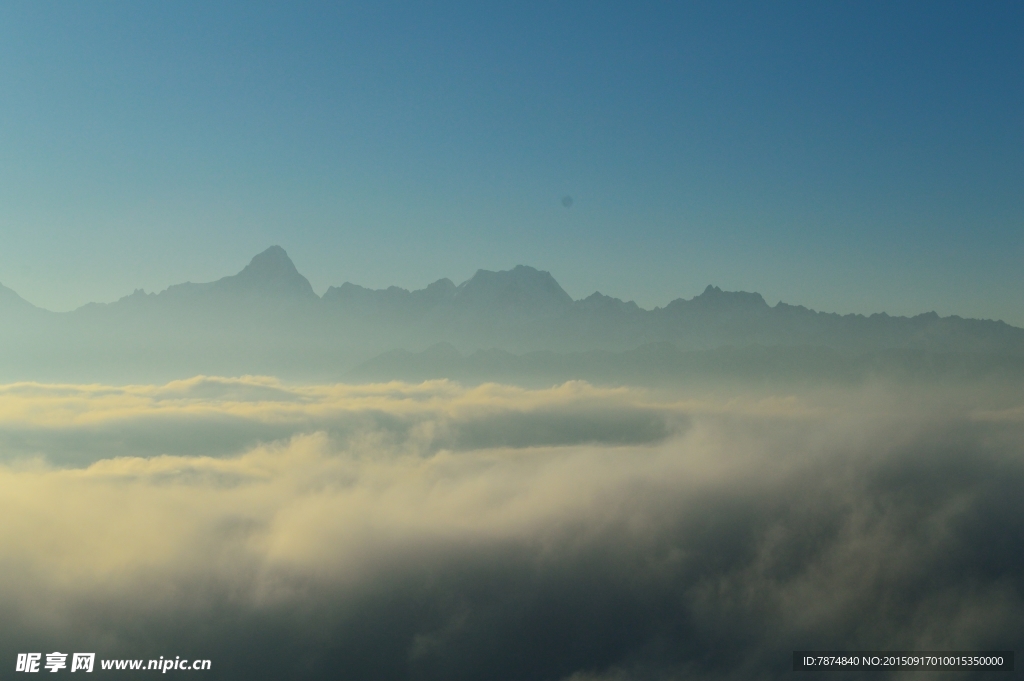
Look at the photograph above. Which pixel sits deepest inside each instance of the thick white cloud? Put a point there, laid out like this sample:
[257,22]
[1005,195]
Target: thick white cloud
[434,531]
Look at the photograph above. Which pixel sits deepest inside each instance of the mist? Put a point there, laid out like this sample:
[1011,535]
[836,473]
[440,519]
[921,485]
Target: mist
[421,531]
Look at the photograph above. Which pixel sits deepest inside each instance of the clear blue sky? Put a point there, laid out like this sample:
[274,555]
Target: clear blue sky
[852,157]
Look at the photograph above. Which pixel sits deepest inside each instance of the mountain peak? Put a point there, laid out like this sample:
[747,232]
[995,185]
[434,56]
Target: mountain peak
[270,264]
[716,297]
[269,272]
[523,287]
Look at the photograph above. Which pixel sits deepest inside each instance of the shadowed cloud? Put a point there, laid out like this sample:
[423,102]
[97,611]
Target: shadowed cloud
[433,531]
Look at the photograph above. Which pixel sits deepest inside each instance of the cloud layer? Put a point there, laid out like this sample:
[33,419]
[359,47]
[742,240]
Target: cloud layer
[431,531]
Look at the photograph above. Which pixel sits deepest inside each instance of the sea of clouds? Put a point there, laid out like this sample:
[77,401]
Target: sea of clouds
[433,531]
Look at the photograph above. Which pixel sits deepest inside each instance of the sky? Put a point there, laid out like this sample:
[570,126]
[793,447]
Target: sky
[851,157]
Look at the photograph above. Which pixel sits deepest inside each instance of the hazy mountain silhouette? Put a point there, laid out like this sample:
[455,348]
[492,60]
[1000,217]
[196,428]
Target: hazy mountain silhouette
[11,302]
[523,291]
[271,274]
[267,319]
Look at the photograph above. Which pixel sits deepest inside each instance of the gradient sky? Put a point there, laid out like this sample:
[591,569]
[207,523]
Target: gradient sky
[852,157]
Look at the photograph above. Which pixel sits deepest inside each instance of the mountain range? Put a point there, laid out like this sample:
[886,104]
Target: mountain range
[268,320]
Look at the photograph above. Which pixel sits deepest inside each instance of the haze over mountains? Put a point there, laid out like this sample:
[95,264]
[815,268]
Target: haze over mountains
[497,325]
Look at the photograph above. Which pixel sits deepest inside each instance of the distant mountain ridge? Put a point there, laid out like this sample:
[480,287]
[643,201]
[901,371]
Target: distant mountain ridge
[270,274]
[267,319]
